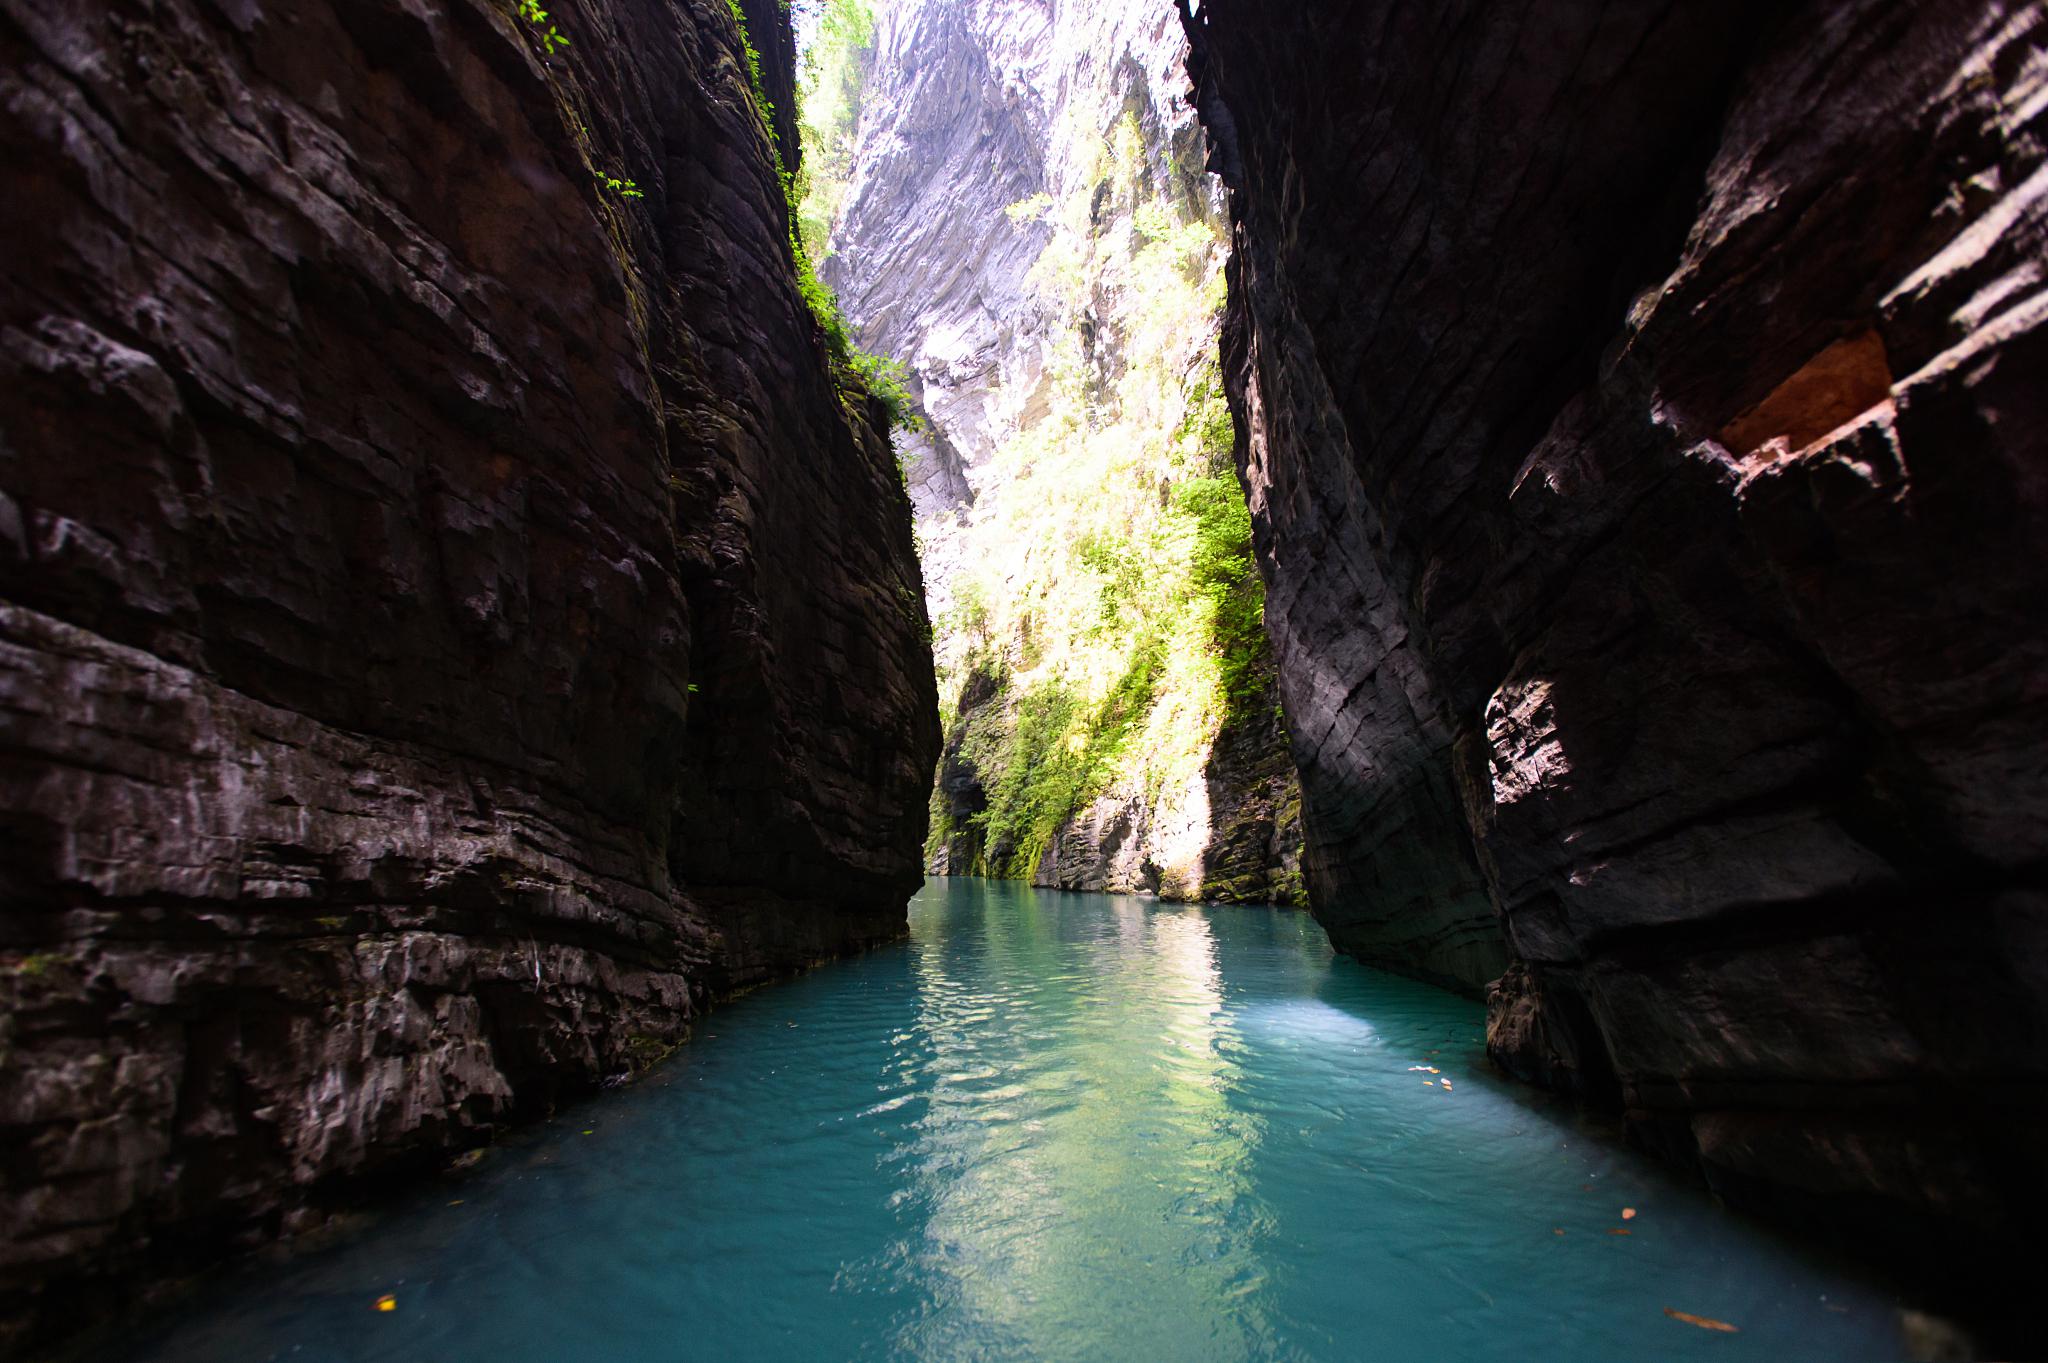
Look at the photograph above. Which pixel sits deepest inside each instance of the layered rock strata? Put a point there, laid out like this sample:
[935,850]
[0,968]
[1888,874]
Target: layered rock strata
[451,626]
[1643,413]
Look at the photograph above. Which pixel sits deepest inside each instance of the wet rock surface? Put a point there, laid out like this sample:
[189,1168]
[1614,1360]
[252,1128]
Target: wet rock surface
[450,626]
[1644,416]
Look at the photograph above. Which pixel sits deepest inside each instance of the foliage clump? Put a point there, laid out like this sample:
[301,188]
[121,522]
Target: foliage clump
[549,37]
[836,65]
[753,56]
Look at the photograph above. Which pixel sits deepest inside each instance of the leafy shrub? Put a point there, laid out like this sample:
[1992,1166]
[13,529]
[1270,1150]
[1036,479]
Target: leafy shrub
[549,37]
[1225,577]
[1049,755]
[888,382]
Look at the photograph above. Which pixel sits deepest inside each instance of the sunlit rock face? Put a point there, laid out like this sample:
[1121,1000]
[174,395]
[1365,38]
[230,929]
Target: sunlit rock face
[450,627]
[1643,413]
[968,111]
[1008,162]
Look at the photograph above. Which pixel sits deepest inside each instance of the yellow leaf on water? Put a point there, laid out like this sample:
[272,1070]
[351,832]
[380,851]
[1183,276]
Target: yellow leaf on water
[1704,1322]
[387,1302]
[1628,1213]
[1445,1082]
[1617,1230]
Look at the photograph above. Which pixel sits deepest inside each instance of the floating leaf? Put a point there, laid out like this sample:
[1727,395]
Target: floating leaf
[1618,1230]
[1628,1213]
[387,1302]
[1557,1230]
[1704,1322]
[1445,1082]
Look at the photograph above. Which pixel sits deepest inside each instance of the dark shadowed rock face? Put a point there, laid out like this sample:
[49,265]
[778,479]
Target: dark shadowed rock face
[1644,410]
[450,628]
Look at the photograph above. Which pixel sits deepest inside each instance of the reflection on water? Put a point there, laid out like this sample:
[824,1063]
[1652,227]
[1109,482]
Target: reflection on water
[1062,1099]
[1058,1127]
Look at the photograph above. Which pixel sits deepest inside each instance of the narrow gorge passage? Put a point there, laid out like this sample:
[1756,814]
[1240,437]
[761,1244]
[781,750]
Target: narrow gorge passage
[1060,1126]
[1023,679]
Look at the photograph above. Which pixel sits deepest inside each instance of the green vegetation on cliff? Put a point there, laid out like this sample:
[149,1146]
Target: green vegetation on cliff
[831,77]
[1108,602]
[1098,622]
[836,63]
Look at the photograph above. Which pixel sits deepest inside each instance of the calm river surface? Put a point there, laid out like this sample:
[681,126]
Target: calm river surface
[1057,1127]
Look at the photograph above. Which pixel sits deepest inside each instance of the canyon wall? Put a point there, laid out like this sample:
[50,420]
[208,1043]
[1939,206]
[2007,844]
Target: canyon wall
[1643,418]
[1025,224]
[452,625]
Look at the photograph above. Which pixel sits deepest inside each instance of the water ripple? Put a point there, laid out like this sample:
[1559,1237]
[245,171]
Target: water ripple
[1064,1128]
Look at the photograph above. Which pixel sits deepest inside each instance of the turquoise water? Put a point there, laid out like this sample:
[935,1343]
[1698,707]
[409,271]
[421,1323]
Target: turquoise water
[1057,1127]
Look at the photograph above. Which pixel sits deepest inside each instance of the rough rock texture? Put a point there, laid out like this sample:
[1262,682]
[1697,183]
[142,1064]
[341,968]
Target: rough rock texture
[929,268]
[1645,410]
[1254,852]
[970,115]
[969,111]
[1240,823]
[450,626]
[958,787]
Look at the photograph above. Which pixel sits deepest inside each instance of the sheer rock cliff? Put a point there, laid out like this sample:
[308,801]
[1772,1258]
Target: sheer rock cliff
[451,627]
[1643,416]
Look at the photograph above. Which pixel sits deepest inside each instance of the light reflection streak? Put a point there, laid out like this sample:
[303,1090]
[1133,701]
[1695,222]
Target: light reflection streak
[1106,1177]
